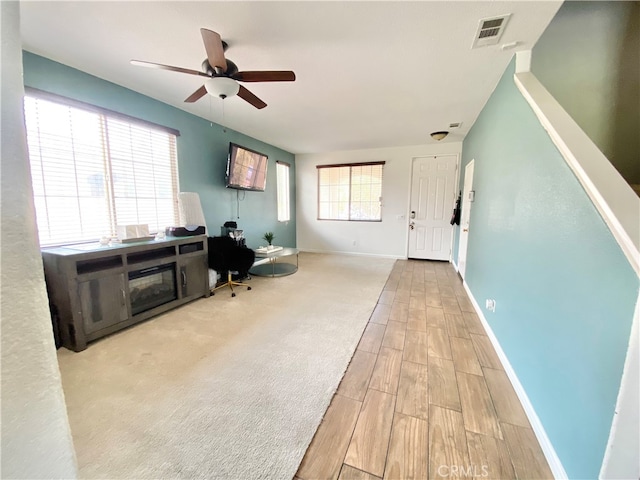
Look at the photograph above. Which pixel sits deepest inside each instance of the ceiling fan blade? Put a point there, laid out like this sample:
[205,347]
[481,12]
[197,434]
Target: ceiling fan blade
[265,76]
[197,95]
[213,46]
[160,66]
[251,98]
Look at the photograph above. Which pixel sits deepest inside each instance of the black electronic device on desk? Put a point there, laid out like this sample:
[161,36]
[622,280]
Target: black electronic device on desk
[186,231]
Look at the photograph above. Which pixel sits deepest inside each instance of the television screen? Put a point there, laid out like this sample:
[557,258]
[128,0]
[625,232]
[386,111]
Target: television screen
[246,169]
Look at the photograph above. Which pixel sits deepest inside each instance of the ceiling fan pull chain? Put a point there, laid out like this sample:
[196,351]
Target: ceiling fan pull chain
[224,128]
[211,110]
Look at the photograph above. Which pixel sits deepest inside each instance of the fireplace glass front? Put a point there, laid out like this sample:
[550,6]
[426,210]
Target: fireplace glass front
[151,287]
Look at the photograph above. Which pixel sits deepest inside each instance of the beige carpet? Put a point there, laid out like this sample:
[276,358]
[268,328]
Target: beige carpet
[229,388]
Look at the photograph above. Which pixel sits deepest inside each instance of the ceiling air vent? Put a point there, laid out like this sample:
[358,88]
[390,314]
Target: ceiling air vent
[455,125]
[489,31]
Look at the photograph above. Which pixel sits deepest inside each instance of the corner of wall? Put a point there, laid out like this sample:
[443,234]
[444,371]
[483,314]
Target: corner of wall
[523,61]
[36,437]
[621,459]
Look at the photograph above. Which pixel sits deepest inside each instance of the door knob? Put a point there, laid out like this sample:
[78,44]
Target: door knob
[465,229]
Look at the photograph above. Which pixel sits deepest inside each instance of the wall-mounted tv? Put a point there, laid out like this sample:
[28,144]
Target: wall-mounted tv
[246,169]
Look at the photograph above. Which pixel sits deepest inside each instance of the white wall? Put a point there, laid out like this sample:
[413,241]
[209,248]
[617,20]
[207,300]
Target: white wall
[36,439]
[386,238]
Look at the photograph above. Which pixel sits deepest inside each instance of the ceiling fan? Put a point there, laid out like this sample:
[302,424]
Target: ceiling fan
[222,74]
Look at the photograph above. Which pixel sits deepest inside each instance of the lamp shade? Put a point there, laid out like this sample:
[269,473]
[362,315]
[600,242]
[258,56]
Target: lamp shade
[222,87]
[439,135]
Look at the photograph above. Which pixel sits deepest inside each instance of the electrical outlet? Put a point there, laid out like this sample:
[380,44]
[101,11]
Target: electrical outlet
[490,304]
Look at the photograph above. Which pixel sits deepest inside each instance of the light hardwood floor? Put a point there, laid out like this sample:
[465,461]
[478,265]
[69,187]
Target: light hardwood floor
[425,395]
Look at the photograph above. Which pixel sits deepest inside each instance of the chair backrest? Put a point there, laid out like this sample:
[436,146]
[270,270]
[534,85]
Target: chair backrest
[219,257]
[190,209]
[225,254]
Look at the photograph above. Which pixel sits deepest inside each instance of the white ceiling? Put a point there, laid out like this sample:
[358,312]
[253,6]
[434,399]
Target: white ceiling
[369,74]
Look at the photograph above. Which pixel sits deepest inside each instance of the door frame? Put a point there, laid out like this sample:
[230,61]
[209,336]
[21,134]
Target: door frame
[465,201]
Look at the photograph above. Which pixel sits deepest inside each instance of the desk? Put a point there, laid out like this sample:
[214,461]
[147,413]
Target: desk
[267,265]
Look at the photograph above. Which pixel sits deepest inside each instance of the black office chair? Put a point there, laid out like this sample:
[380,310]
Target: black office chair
[227,257]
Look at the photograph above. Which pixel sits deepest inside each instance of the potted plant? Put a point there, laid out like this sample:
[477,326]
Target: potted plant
[269,236]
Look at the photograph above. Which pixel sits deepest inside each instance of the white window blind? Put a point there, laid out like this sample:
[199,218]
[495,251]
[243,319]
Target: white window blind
[284,211]
[92,171]
[350,192]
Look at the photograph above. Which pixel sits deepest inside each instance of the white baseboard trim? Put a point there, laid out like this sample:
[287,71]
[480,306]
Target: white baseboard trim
[352,254]
[549,452]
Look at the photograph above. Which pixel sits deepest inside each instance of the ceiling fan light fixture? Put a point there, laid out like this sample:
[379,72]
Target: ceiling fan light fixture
[439,135]
[222,87]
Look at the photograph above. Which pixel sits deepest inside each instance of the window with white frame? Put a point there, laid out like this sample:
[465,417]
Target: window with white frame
[284,210]
[93,170]
[351,192]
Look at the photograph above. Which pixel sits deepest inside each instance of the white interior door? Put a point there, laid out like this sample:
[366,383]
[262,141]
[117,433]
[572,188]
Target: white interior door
[465,214]
[432,199]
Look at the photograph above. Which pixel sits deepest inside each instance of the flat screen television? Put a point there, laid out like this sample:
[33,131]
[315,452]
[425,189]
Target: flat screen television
[246,169]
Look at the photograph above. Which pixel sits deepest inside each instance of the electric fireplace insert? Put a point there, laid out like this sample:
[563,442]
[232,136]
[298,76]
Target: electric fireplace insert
[151,287]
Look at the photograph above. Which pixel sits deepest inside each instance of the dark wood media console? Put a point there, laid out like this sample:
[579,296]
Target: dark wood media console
[97,290]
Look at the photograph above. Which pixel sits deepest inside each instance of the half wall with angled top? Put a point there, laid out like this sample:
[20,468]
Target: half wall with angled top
[565,292]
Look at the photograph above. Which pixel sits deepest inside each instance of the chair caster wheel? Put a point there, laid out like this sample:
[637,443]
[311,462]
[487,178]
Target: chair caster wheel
[248,288]
[233,294]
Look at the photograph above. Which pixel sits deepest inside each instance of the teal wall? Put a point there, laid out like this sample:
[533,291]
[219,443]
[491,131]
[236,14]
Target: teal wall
[588,58]
[202,150]
[564,291]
